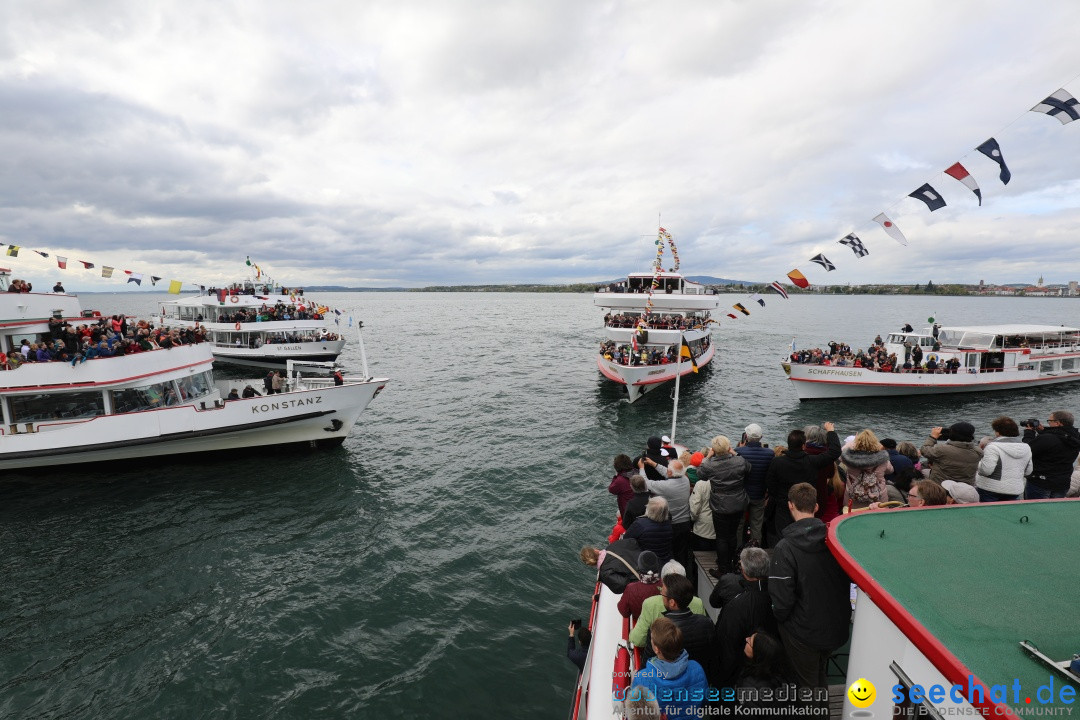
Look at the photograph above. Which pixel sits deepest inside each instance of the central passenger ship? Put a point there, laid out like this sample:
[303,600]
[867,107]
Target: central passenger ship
[153,403]
[650,316]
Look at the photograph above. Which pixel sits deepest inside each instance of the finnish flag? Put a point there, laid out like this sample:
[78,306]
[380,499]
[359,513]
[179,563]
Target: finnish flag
[930,196]
[852,241]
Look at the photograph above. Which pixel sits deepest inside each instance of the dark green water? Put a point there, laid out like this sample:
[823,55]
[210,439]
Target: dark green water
[428,567]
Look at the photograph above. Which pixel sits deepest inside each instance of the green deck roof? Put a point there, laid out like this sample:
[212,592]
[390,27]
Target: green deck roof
[981,578]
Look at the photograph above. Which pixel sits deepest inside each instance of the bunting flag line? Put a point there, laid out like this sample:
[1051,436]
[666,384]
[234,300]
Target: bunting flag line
[87,265]
[778,288]
[890,227]
[758,299]
[852,241]
[1060,105]
[958,171]
[61,262]
[106,271]
[42,254]
[174,287]
[992,150]
[134,278]
[741,308]
[823,261]
[928,195]
[798,279]
[684,352]
[154,279]
[733,316]
[13,250]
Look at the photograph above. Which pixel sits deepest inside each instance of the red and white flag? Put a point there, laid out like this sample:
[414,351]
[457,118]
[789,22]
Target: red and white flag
[959,172]
[890,227]
[61,262]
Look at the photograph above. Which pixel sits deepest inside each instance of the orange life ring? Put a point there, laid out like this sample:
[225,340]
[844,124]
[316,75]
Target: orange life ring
[236,298]
[237,326]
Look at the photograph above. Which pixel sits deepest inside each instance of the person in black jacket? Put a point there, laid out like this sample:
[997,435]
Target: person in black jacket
[618,563]
[653,529]
[794,467]
[810,592]
[654,451]
[577,654]
[699,636]
[749,611]
[1053,452]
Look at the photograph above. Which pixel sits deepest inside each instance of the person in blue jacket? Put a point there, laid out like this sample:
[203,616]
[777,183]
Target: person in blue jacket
[676,682]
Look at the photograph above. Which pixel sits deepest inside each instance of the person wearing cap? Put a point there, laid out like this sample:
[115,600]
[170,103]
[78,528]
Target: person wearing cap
[667,446]
[1005,464]
[654,452]
[960,493]
[648,566]
[958,459]
[760,458]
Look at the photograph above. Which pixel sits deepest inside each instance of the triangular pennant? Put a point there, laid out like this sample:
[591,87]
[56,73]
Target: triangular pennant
[992,150]
[960,172]
[154,279]
[890,227]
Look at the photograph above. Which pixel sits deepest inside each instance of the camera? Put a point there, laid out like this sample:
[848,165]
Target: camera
[1030,423]
[576,623]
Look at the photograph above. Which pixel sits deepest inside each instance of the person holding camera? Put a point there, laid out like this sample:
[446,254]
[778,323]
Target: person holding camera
[1053,452]
[958,458]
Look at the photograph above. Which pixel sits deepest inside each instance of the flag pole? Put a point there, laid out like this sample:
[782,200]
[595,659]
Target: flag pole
[678,376]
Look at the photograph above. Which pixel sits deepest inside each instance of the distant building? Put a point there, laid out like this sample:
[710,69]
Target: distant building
[1073,288]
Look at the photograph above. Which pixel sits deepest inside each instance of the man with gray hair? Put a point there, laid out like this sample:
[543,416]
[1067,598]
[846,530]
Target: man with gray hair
[675,488]
[760,458]
[653,607]
[749,611]
[653,530]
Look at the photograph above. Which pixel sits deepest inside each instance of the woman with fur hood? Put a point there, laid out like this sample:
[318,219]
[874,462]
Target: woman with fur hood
[867,464]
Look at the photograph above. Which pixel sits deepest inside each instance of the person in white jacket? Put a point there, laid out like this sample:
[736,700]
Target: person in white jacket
[1005,463]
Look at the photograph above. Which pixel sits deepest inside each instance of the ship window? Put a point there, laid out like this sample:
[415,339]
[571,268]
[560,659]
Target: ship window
[971,360]
[56,406]
[147,397]
[1068,363]
[1046,366]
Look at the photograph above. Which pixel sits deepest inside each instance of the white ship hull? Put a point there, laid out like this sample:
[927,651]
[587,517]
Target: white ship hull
[319,415]
[817,382]
[641,379]
[277,354]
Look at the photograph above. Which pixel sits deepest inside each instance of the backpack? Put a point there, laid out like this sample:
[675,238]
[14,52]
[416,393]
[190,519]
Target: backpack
[863,486]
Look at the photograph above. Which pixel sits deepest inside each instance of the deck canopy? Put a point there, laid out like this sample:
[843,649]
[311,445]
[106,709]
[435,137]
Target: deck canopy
[999,337]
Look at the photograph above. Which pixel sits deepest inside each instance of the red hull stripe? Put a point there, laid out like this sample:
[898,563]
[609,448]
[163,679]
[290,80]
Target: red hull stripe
[936,385]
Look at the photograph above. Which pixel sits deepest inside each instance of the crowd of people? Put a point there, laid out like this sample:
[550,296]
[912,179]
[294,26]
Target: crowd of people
[625,354]
[784,602]
[107,337]
[269,313]
[877,357]
[658,321]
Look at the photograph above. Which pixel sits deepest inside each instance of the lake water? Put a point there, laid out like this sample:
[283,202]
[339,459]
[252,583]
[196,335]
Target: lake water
[428,567]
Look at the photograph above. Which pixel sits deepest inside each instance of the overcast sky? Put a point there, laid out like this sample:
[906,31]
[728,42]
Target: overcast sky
[452,142]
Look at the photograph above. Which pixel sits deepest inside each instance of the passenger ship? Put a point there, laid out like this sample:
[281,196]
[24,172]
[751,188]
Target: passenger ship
[991,357]
[154,403]
[239,334]
[677,308]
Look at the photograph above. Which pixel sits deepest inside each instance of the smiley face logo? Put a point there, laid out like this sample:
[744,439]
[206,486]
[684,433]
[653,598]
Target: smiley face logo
[862,693]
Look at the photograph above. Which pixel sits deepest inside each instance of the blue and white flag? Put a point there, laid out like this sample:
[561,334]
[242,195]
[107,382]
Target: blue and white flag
[823,261]
[1060,105]
[350,321]
[792,344]
[928,195]
[758,299]
[992,150]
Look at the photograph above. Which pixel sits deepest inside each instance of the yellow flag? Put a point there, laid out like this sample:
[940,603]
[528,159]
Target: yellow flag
[174,287]
[684,352]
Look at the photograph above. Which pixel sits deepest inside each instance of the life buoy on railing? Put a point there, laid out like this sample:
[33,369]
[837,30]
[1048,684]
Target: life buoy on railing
[237,326]
[235,298]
